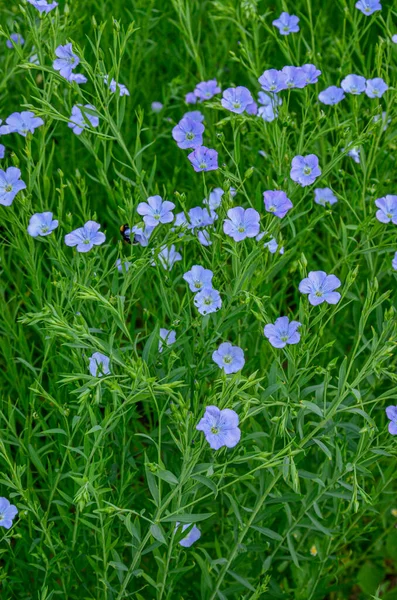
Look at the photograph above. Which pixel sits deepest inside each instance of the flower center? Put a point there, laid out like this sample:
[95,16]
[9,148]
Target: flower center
[203,165]
[227,359]
[272,209]
[272,87]
[284,338]
[190,135]
[389,215]
[307,171]
[236,105]
[44,228]
[208,300]
[214,430]
[86,241]
[319,293]
[286,28]
[198,284]
[241,229]
[8,188]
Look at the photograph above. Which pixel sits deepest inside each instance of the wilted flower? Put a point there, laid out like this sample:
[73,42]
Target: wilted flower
[241,223]
[320,288]
[168,257]
[295,77]
[204,159]
[15,39]
[229,358]
[268,111]
[99,364]
[198,278]
[207,301]
[236,99]
[199,217]
[79,118]
[273,81]
[167,337]
[375,88]
[67,60]
[387,209]
[204,237]
[391,412]
[23,123]
[190,98]
[324,195]
[7,513]
[277,202]
[368,7]
[113,86]
[271,245]
[353,84]
[354,153]
[123,265]
[43,6]
[193,535]
[156,107]
[207,89]
[188,133]
[305,169]
[42,224]
[332,95]
[85,237]
[78,78]
[287,24]
[311,72]
[156,211]
[10,185]
[215,199]
[283,332]
[220,427]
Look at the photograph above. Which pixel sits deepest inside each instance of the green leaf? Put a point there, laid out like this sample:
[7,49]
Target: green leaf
[157,533]
[187,518]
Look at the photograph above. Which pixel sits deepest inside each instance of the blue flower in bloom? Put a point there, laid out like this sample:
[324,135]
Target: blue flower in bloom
[229,358]
[295,77]
[391,412]
[7,513]
[113,86]
[67,60]
[320,288]
[198,278]
[188,133]
[207,89]
[287,24]
[236,99]
[207,301]
[311,72]
[193,535]
[368,7]
[141,234]
[268,111]
[273,81]
[43,6]
[394,262]
[196,115]
[156,107]
[283,332]
[332,95]
[23,123]
[277,202]
[85,237]
[215,199]
[387,209]
[42,224]
[190,98]
[167,337]
[375,88]
[220,427]
[155,211]
[10,185]
[2,151]
[305,169]
[241,223]
[204,159]
[168,257]
[99,364]
[324,195]
[79,119]
[17,40]
[353,84]
[122,265]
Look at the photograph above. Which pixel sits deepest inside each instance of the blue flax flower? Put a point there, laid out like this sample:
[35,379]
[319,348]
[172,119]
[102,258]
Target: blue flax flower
[273,81]
[387,209]
[204,237]
[207,301]
[156,211]
[229,358]
[191,98]
[375,88]
[193,535]
[79,118]
[99,364]
[324,195]
[394,262]
[23,123]
[368,7]
[204,159]
[252,109]
[113,86]
[311,72]
[122,266]
[283,332]
[305,169]
[198,278]
[391,412]
[66,60]
[353,84]
[10,184]
[15,40]
[42,224]
[237,99]
[7,513]
[85,237]
[168,257]
[2,151]
[320,288]
[167,337]
[277,202]
[295,77]
[241,223]
[156,107]
[286,23]
[43,6]
[215,199]
[199,217]
[220,427]
[207,89]
[269,103]
[196,115]
[188,133]
[332,95]
[141,234]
